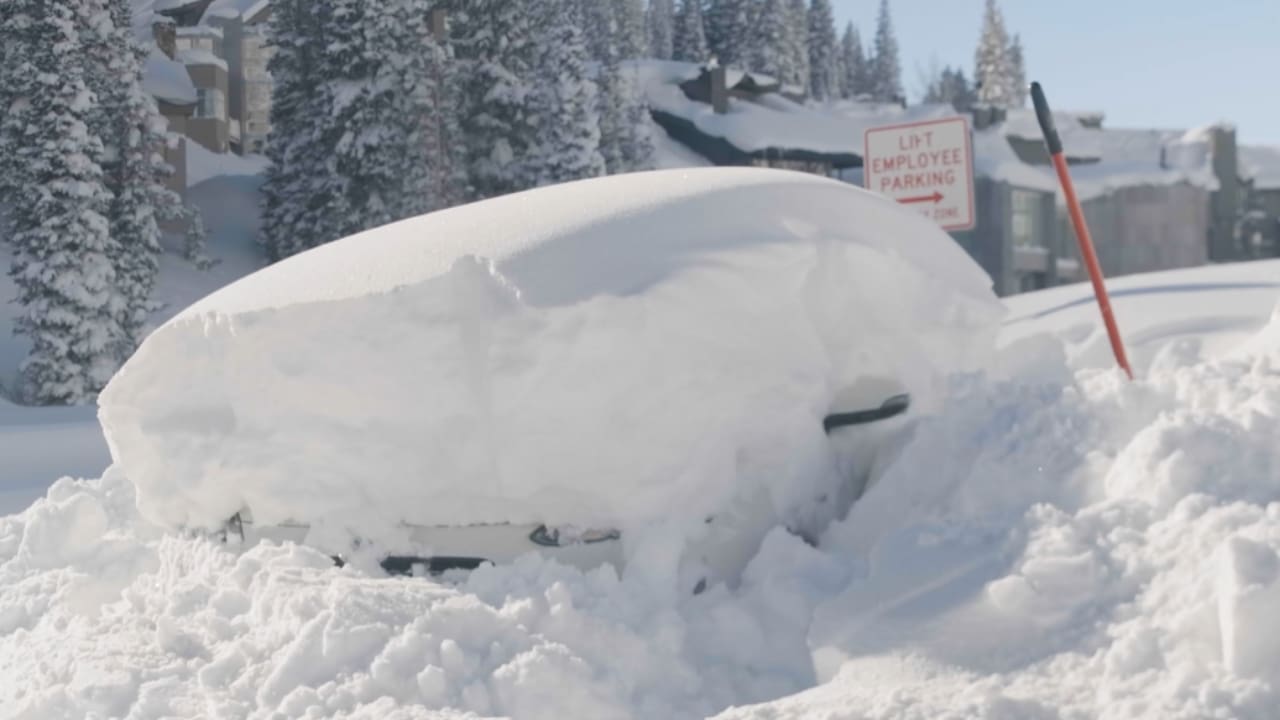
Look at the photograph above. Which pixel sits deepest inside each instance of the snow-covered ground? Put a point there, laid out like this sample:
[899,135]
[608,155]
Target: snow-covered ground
[1053,541]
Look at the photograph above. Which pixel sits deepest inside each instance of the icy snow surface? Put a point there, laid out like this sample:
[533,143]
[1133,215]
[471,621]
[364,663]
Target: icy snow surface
[1054,542]
[612,352]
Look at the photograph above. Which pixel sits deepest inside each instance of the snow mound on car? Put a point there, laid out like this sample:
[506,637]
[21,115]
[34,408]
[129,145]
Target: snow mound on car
[610,352]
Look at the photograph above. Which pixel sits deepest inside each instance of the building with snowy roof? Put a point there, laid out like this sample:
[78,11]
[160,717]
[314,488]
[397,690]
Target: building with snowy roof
[1154,199]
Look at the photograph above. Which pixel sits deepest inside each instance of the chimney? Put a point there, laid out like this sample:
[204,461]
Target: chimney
[719,93]
[439,30]
[165,32]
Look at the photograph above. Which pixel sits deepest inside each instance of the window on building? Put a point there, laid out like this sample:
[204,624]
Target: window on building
[1025,219]
[210,103]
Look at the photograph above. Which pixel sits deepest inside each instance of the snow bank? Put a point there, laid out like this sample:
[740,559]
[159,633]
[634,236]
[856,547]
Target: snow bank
[1093,548]
[1055,544]
[1208,310]
[102,615]
[605,352]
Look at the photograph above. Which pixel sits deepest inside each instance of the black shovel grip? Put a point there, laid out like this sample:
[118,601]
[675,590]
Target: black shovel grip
[1046,119]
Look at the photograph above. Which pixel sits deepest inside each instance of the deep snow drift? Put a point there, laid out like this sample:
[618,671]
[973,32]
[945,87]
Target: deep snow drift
[612,352]
[1055,542]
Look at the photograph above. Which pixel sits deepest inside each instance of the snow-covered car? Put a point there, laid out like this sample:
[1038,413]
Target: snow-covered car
[629,366]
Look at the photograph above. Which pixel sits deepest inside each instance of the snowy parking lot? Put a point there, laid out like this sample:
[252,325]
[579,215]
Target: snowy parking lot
[1049,539]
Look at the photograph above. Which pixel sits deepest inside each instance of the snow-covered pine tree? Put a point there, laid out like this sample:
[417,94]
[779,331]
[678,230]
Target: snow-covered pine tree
[772,48]
[857,73]
[494,44]
[992,73]
[728,26]
[660,21]
[886,72]
[1018,73]
[631,39]
[562,105]
[950,87]
[798,43]
[61,238]
[623,119]
[824,82]
[135,175]
[295,33]
[690,40]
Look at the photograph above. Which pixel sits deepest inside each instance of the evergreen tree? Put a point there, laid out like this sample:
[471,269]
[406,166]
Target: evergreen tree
[992,72]
[886,73]
[661,26]
[1018,73]
[563,106]
[690,39]
[857,73]
[625,142]
[136,173]
[495,46]
[951,87]
[629,18]
[295,33]
[772,48]
[798,44]
[728,26]
[824,81]
[61,237]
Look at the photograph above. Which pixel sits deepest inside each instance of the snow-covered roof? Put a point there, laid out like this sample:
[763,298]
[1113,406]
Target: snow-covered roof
[200,31]
[1112,158]
[772,122]
[167,79]
[243,9]
[1261,164]
[198,56]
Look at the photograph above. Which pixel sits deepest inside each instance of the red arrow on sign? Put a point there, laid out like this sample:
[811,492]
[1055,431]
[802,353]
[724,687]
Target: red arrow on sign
[936,197]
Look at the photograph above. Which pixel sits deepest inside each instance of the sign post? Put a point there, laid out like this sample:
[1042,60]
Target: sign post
[926,166]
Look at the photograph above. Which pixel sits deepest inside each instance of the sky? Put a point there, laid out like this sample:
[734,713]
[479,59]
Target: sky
[1145,63]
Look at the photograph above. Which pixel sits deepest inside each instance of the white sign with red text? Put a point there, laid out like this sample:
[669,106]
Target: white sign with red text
[926,166]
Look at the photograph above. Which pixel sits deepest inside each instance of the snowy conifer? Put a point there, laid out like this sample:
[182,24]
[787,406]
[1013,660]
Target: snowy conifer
[729,33]
[562,105]
[61,238]
[690,40]
[1018,73]
[886,72]
[824,82]
[495,47]
[660,21]
[950,87]
[992,71]
[135,174]
[288,204]
[857,73]
[625,142]
[798,43]
[631,39]
[772,47]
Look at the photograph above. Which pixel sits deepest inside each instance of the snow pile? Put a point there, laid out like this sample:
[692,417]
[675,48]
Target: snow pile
[1214,308]
[1094,549]
[1051,544]
[101,615]
[596,353]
